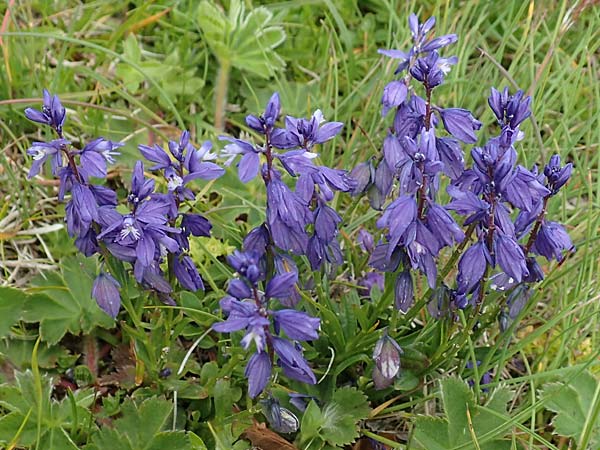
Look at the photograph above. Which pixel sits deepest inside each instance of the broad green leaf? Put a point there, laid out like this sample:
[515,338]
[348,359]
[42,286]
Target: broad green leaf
[22,398]
[337,423]
[131,48]
[11,307]
[341,416]
[311,421]
[457,397]
[463,421]
[572,404]
[67,304]
[432,433]
[244,40]
[140,427]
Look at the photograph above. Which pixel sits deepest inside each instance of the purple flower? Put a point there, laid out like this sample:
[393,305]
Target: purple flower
[397,217]
[397,54]
[510,110]
[452,157]
[408,120]
[96,154]
[365,241]
[363,175]
[281,420]
[281,286]
[394,95]
[428,70]
[439,42]
[258,372]
[509,256]
[472,266]
[106,293]
[421,44]
[157,155]
[556,175]
[256,240]
[247,264]
[41,151]
[53,113]
[248,166]
[297,325]
[305,133]
[186,272]
[460,123]
[523,189]
[292,362]
[551,241]
[387,361]
[442,225]
[196,225]
[404,291]
[264,123]
[369,281]
[287,217]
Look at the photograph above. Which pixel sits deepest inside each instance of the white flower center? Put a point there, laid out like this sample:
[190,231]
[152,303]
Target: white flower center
[174,182]
[129,230]
[40,152]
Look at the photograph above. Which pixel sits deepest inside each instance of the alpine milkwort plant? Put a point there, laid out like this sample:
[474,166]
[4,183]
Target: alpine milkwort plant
[504,203]
[151,233]
[298,222]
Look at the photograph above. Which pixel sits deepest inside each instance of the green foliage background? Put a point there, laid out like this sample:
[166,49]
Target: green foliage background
[136,72]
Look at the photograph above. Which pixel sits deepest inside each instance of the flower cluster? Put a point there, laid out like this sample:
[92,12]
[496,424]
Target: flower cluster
[146,236]
[414,158]
[489,192]
[298,221]
[416,154]
[247,308]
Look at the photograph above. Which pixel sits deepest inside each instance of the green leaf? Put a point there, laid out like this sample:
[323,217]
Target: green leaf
[22,400]
[11,307]
[432,433]
[464,420]
[341,416]
[131,48]
[337,424]
[67,305]
[141,428]
[573,403]
[246,41]
[311,421]
[457,398]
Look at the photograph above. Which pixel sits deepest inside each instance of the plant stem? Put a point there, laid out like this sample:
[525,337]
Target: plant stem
[221,93]
[536,227]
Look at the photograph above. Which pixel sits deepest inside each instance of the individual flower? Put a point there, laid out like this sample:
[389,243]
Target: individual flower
[460,123]
[106,293]
[264,123]
[557,175]
[404,291]
[394,95]
[306,133]
[386,356]
[53,113]
[472,266]
[552,241]
[42,151]
[95,156]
